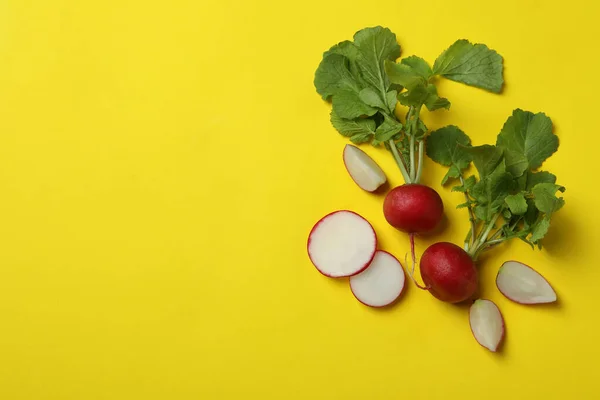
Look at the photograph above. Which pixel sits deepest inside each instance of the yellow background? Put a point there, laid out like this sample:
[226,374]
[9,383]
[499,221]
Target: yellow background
[161,164]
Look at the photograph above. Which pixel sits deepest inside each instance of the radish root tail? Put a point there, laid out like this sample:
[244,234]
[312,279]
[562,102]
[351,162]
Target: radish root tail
[411,273]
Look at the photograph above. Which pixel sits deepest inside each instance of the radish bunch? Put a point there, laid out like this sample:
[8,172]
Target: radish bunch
[365,83]
[509,198]
[344,244]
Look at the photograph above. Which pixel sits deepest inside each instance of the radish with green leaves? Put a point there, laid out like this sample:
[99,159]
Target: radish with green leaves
[364,83]
[510,199]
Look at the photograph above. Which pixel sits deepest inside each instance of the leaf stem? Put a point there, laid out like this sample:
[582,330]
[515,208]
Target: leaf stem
[480,242]
[510,228]
[513,226]
[497,238]
[412,119]
[488,229]
[484,246]
[471,214]
[399,161]
[420,164]
[497,233]
[408,118]
[412,158]
[493,242]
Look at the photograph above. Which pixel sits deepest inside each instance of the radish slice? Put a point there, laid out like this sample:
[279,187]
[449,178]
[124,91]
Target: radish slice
[521,284]
[342,244]
[381,283]
[487,324]
[363,170]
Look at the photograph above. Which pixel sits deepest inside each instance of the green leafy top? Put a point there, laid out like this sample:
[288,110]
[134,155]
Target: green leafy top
[471,64]
[376,45]
[527,141]
[446,146]
[364,83]
[508,188]
[351,68]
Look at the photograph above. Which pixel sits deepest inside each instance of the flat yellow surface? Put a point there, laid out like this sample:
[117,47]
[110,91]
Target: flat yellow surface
[161,164]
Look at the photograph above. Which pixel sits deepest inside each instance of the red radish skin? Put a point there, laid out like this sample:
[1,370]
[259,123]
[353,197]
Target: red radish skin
[358,269]
[413,208]
[449,272]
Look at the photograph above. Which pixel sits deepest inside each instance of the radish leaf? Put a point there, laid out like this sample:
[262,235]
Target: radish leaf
[539,230]
[346,49]
[516,203]
[392,99]
[370,97]
[415,96]
[447,146]
[466,186]
[528,180]
[433,101]
[347,104]
[491,192]
[351,127]
[471,64]
[419,66]
[486,158]
[404,75]
[545,198]
[387,130]
[334,75]
[527,141]
[376,45]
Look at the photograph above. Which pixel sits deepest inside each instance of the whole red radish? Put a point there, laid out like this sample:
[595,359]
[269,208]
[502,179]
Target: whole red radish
[413,208]
[449,272]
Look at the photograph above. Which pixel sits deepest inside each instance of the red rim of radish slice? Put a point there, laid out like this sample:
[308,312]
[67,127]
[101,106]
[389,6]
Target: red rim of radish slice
[397,292]
[502,325]
[511,296]
[361,267]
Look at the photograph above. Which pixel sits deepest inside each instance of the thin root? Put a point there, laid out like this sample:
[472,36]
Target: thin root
[414,263]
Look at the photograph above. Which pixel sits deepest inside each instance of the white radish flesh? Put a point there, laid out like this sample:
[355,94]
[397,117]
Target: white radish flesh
[342,244]
[487,324]
[521,284]
[381,283]
[363,170]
